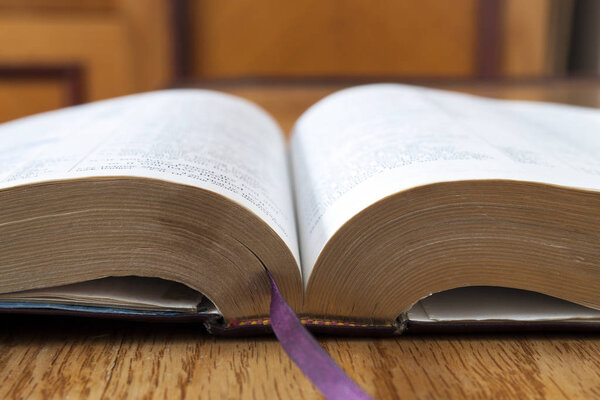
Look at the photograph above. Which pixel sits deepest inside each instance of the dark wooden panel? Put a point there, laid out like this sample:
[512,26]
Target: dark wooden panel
[30,89]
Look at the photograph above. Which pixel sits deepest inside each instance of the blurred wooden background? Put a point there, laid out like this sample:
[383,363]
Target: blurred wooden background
[55,53]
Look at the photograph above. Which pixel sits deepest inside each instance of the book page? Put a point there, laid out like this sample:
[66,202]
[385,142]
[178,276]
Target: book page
[487,303]
[205,139]
[128,292]
[360,145]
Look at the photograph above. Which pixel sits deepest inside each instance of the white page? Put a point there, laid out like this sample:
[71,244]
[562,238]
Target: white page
[360,145]
[122,292]
[481,303]
[201,138]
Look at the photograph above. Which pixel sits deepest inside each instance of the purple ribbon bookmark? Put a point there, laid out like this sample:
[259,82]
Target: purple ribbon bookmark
[304,350]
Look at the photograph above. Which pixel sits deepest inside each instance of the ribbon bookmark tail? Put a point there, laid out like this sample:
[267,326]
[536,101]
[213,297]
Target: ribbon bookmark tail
[308,355]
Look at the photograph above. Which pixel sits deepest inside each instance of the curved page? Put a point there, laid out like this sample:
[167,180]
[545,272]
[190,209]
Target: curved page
[200,138]
[360,145]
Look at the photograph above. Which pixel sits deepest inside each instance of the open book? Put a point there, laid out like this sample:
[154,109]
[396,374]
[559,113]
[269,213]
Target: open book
[172,204]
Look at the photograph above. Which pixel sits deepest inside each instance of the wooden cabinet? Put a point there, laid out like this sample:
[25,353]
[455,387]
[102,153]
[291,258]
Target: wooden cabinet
[21,97]
[55,53]
[535,37]
[115,47]
[339,38]
[398,39]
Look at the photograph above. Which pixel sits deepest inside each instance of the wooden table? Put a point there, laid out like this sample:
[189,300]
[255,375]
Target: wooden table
[42,357]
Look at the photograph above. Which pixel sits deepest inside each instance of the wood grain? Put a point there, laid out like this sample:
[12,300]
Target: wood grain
[44,357]
[79,358]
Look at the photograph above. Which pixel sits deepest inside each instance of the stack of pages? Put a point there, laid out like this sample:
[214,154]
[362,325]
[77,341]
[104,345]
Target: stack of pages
[393,207]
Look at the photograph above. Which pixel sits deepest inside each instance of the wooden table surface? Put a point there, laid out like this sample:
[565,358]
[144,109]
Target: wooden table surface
[45,357]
